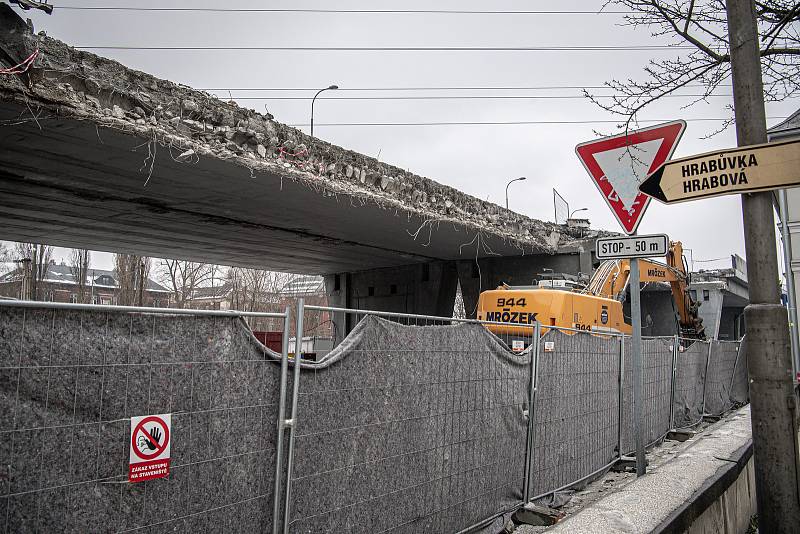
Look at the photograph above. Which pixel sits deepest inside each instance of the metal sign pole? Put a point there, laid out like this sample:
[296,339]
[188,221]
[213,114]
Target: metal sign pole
[537,335]
[636,346]
[675,350]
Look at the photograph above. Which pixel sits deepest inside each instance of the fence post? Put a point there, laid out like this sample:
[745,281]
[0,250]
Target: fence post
[292,423]
[675,349]
[621,392]
[276,507]
[733,373]
[705,380]
[537,334]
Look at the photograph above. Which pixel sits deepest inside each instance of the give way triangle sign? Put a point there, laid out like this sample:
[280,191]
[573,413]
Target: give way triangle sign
[618,164]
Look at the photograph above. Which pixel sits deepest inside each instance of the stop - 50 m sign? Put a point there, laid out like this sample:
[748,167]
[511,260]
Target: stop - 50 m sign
[635,246]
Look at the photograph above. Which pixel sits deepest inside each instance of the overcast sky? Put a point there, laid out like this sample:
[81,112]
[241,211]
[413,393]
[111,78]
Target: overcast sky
[476,159]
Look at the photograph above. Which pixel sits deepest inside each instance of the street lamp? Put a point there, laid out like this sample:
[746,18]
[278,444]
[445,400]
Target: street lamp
[312,105]
[576,211]
[511,182]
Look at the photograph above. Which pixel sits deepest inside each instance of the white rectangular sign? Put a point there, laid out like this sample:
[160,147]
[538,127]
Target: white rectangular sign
[635,246]
[150,443]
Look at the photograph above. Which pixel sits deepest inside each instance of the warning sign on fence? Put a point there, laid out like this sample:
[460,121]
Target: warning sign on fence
[150,445]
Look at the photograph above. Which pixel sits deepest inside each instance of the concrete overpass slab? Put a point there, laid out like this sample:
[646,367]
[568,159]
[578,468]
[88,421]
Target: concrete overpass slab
[101,156]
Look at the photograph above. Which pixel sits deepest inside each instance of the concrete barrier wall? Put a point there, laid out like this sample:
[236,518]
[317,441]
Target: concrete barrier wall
[732,511]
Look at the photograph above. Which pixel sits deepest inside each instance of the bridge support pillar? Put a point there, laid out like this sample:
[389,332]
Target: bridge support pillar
[425,289]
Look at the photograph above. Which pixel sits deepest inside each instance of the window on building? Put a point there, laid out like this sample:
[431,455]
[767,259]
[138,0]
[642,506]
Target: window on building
[105,300]
[95,299]
[693,294]
[73,298]
[705,294]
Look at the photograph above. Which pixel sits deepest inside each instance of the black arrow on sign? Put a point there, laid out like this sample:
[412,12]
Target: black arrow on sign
[652,185]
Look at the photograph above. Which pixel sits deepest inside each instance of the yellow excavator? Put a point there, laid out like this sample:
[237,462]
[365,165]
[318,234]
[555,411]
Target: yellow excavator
[597,307]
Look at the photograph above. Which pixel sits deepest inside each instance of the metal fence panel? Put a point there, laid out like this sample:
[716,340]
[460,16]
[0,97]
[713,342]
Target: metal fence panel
[410,429]
[402,428]
[722,365]
[71,379]
[690,375]
[740,385]
[656,392]
[577,408]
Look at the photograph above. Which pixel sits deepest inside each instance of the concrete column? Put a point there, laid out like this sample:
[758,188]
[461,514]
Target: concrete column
[426,289]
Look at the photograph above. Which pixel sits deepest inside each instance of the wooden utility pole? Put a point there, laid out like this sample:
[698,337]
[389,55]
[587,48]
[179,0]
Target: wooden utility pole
[772,399]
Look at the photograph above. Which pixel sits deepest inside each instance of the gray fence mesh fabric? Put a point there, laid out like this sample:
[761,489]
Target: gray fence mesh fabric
[724,360]
[400,429]
[740,388]
[71,380]
[690,375]
[410,429]
[656,391]
[576,412]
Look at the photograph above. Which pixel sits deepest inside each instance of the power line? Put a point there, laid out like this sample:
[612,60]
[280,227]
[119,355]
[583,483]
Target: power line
[506,123]
[460,97]
[450,88]
[344,11]
[728,258]
[618,48]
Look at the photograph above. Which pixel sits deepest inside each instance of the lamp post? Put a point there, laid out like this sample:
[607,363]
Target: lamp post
[576,211]
[331,87]
[511,182]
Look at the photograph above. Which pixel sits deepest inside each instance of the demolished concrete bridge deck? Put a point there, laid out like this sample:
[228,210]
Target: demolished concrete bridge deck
[98,155]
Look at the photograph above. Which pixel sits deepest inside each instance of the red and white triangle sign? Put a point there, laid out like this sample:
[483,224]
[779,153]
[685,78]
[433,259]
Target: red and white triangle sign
[618,164]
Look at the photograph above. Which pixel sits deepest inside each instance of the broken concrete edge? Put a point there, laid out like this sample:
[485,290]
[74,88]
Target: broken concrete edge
[537,515]
[681,519]
[67,83]
[680,435]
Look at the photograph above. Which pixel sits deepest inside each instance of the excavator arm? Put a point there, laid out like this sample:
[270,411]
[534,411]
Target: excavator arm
[611,278]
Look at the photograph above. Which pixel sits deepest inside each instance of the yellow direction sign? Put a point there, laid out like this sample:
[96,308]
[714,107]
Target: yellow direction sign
[741,170]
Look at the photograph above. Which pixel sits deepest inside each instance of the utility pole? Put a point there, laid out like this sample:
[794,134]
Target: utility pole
[772,398]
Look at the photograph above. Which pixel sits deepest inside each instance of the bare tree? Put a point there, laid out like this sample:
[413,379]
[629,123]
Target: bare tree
[184,277]
[34,261]
[79,260]
[132,275]
[6,258]
[143,277]
[256,289]
[702,24]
